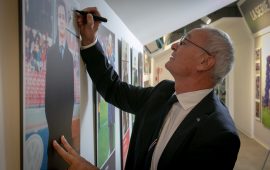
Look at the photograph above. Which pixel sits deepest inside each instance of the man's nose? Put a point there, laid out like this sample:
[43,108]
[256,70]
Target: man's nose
[174,46]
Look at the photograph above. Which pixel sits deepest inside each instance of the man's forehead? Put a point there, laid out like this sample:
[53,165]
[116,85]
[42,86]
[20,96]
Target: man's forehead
[197,33]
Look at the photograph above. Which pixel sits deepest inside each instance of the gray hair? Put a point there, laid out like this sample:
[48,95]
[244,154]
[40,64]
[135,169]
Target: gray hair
[220,45]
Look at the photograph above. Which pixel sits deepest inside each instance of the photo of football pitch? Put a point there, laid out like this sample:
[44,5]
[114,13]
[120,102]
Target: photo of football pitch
[266,117]
[103,144]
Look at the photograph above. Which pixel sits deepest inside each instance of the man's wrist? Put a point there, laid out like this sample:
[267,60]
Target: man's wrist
[85,45]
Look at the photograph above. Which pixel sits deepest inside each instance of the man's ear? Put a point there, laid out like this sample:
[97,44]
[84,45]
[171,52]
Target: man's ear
[206,63]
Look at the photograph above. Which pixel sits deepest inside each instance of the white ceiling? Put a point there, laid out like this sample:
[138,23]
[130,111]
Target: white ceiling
[149,20]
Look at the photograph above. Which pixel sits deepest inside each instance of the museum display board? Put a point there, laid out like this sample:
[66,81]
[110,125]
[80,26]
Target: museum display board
[50,81]
[51,87]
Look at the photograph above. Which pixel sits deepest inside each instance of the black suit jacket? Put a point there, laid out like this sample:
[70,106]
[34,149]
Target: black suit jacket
[59,100]
[206,139]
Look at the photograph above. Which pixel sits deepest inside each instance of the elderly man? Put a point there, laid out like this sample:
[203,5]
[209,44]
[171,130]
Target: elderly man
[180,124]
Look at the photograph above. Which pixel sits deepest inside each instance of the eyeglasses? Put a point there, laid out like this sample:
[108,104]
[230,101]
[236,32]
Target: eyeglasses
[184,38]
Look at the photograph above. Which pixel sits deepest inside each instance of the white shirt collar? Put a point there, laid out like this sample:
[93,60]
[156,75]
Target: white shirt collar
[191,99]
[62,44]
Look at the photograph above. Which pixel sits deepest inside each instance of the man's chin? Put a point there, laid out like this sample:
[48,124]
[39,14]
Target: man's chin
[167,65]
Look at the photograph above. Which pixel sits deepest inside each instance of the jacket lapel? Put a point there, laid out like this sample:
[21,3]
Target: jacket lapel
[186,129]
[154,120]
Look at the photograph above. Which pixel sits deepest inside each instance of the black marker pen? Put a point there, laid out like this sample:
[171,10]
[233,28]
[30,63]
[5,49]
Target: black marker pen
[96,18]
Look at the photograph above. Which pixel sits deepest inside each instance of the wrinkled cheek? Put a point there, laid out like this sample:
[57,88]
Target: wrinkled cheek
[180,68]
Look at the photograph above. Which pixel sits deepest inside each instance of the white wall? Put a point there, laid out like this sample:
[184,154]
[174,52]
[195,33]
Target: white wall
[10,83]
[242,82]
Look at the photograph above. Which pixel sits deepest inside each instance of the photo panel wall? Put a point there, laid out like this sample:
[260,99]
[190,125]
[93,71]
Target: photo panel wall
[265,86]
[146,70]
[140,68]
[134,67]
[125,74]
[258,56]
[136,72]
[147,64]
[51,100]
[105,112]
[50,81]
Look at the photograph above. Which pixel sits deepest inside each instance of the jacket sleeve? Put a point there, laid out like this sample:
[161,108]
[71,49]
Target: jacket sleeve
[124,96]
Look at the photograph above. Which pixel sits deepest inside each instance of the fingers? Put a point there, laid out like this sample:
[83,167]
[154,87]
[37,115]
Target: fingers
[90,21]
[79,20]
[66,156]
[92,10]
[67,146]
[82,21]
[75,161]
[88,27]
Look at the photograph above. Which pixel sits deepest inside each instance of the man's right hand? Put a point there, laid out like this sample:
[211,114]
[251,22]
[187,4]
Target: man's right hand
[88,29]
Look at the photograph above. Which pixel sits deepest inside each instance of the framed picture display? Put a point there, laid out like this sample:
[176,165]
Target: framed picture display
[105,112]
[136,73]
[105,126]
[147,64]
[265,85]
[50,81]
[140,69]
[257,88]
[134,68]
[146,70]
[257,110]
[220,90]
[125,74]
[258,106]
